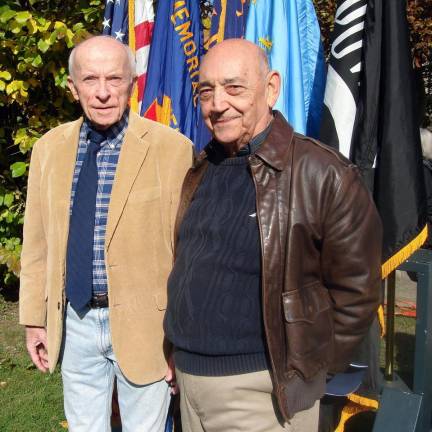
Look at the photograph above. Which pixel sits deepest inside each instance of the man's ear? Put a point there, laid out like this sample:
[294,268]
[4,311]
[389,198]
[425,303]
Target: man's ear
[273,87]
[72,88]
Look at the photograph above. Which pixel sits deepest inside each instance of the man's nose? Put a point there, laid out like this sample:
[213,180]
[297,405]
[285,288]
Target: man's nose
[102,91]
[219,100]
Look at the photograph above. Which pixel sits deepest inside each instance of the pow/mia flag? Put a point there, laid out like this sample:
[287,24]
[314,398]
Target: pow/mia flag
[343,75]
[369,116]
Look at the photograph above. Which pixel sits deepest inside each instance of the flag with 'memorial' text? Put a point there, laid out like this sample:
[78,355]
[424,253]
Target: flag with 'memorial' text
[228,21]
[171,95]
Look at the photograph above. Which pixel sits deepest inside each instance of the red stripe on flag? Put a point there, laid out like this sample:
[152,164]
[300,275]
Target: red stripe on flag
[143,34]
[141,86]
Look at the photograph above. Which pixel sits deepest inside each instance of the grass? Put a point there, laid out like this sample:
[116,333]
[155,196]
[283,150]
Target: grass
[30,401]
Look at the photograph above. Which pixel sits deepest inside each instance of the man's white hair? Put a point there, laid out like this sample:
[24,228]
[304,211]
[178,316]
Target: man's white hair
[129,53]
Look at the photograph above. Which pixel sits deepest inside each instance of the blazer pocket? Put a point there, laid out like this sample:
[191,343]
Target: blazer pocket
[144,195]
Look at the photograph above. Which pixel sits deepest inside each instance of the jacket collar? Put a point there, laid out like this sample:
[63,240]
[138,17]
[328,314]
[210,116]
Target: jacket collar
[274,151]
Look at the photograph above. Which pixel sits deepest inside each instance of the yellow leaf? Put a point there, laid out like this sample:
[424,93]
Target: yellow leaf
[3,384]
[11,87]
[2,85]
[59,25]
[32,26]
[69,38]
[64,424]
[5,75]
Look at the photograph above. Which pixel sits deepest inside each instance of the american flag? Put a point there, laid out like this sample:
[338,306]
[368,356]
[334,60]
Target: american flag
[118,14]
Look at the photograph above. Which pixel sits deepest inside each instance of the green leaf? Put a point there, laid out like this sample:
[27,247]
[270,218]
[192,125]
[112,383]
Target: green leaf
[18,169]
[43,45]
[8,199]
[78,26]
[22,67]
[22,17]
[43,24]
[7,15]
[37,61]
[2,85]
[15,27]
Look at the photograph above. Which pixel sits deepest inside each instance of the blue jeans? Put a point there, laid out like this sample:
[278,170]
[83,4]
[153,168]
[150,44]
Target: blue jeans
[88,369]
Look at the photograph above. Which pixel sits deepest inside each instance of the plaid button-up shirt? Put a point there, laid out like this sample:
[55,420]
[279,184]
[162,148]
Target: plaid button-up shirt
[107,159]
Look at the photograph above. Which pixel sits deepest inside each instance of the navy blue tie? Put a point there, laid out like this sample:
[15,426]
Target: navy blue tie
[79,256]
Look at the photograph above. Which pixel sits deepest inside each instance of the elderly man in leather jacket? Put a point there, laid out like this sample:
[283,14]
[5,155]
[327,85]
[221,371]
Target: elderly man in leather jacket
[277,270]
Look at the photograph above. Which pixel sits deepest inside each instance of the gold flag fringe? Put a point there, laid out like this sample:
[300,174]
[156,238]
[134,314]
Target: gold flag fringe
[381,320]
[355,405]
[399,257]
[132,44]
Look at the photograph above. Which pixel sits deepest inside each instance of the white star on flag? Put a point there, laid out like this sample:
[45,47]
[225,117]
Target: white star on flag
[106,23]
[119,35]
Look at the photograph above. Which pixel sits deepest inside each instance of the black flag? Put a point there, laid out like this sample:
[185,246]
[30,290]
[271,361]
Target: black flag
[370,116]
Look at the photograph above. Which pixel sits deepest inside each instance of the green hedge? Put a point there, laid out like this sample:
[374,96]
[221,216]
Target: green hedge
[36,37]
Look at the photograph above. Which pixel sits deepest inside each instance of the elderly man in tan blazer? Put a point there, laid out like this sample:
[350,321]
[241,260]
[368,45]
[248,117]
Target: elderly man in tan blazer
[98,237]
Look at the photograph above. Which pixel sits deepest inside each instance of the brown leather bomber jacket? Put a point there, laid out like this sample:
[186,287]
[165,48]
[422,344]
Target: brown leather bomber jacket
[321,252]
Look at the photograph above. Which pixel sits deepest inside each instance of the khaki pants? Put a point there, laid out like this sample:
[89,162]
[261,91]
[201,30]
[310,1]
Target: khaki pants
[236,403]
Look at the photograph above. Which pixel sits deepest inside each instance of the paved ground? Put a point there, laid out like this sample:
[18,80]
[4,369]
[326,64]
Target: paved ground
[405,288]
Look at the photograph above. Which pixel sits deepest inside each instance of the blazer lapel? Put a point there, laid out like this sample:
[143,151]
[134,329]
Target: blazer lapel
[132,155]
[65,164]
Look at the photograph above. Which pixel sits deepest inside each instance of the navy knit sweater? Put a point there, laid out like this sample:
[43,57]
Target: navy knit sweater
[214,316]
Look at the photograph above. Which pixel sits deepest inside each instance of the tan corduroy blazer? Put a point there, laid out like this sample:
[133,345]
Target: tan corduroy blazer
[138,243]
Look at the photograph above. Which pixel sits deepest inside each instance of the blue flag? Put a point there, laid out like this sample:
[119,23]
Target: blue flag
[289,32]
[228,20]
[115,22]
[171,94]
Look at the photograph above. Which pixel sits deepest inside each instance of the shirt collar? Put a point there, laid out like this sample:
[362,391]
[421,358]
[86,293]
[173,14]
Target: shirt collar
[255,142]
[114,133]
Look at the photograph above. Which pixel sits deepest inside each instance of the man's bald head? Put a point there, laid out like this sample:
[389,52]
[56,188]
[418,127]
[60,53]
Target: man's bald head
[237,92]
[98,42]
[228,48]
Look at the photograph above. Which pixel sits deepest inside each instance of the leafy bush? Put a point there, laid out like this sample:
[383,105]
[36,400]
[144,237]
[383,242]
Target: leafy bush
[35,40]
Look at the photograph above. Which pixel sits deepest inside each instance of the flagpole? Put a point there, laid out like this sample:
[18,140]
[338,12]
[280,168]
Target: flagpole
[389,353]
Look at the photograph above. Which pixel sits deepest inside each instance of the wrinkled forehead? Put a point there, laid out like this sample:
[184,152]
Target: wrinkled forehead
[222,70]
[95,57]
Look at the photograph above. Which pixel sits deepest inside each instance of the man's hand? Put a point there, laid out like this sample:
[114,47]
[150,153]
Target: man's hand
[37,347]
[170,377]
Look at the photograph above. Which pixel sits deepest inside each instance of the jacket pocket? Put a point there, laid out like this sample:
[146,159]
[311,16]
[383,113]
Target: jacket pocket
[308,328]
